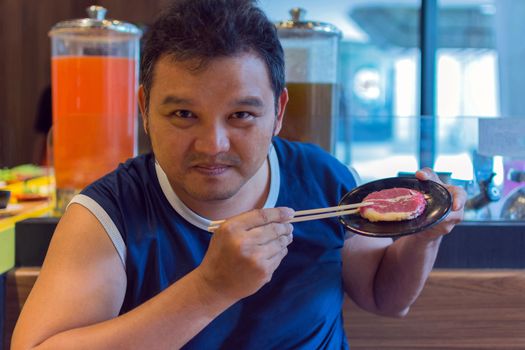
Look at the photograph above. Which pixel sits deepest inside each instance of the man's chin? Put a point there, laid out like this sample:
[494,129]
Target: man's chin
[212,195]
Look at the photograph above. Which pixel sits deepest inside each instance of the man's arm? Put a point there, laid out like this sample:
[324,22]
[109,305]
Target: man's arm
[386,277]
[76,300]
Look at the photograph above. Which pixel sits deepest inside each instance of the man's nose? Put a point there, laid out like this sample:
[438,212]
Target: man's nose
[212,139]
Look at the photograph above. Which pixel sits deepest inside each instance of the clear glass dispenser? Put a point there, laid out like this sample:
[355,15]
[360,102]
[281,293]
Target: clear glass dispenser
[94,80]
[311,58]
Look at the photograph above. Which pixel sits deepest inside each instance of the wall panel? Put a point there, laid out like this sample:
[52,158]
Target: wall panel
[25,61]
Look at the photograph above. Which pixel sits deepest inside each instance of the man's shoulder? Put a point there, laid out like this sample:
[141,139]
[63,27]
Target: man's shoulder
[301,154]
[140,162]
[138,166]
[296,149]
[308,165]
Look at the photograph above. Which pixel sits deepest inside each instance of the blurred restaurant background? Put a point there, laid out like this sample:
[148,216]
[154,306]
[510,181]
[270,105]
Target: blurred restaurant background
[413,83]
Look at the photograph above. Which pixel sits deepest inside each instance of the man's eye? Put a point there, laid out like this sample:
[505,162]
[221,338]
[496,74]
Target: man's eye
[242,115]
[182,113]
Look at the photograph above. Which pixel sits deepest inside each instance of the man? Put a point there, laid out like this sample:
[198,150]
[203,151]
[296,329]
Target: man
[131,264]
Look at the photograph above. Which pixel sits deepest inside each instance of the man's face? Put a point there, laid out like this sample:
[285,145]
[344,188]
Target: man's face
[211,128]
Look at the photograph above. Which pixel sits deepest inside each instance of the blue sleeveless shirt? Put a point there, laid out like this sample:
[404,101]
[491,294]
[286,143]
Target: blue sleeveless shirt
[160,240]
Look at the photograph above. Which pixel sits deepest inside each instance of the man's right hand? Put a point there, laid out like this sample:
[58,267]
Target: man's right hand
[245,251]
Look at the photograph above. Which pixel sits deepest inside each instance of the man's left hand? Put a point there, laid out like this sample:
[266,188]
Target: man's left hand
[459,197]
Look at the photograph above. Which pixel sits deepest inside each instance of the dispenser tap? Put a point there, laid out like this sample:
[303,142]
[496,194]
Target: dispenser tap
[488,193]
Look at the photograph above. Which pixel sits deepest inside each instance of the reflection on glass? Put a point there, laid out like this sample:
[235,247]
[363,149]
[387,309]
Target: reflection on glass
[480,76]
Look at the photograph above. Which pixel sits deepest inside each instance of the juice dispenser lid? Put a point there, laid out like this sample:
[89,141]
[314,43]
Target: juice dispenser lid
[96,21]
[297,25]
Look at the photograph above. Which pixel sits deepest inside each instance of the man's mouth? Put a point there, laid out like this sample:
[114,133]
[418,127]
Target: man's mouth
[213,166]
[211,169]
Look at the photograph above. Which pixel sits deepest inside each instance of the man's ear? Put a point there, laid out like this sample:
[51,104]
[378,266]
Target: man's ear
[143,109]
[281,106]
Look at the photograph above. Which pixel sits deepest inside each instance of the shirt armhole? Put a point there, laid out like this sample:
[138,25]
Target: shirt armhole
[106,222]
[355,175]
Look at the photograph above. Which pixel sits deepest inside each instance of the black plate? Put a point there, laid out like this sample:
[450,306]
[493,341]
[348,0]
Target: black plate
[439,202]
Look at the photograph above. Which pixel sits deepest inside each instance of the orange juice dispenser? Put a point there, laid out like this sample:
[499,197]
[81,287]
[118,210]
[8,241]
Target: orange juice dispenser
[311,64]
[94,79]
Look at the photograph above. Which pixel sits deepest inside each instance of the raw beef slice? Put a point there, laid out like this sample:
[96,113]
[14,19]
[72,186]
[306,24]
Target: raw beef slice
[393,204]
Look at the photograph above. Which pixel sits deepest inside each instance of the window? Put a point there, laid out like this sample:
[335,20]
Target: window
[478,76]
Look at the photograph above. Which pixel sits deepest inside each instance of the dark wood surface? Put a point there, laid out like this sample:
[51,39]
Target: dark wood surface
[19,283]
[458,309]
[25,61]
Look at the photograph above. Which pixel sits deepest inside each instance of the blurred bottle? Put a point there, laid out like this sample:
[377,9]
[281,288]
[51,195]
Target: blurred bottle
[311,60]
[94,82]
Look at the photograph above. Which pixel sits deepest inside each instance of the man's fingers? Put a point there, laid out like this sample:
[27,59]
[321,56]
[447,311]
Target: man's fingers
[459,197]
[273,247]
[260,217]
[264,234]
[276,247]
[265,216]
[428,174]
[274,261]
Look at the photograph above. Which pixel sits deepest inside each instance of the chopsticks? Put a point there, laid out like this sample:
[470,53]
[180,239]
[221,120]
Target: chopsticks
[312,214]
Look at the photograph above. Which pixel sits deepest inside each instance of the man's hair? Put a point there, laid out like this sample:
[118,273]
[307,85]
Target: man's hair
[206,29]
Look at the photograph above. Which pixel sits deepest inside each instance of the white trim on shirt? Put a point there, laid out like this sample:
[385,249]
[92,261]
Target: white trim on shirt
[203,223]
[104,219]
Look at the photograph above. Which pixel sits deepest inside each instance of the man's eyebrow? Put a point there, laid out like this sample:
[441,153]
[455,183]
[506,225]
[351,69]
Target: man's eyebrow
[172,99]
[249,101]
